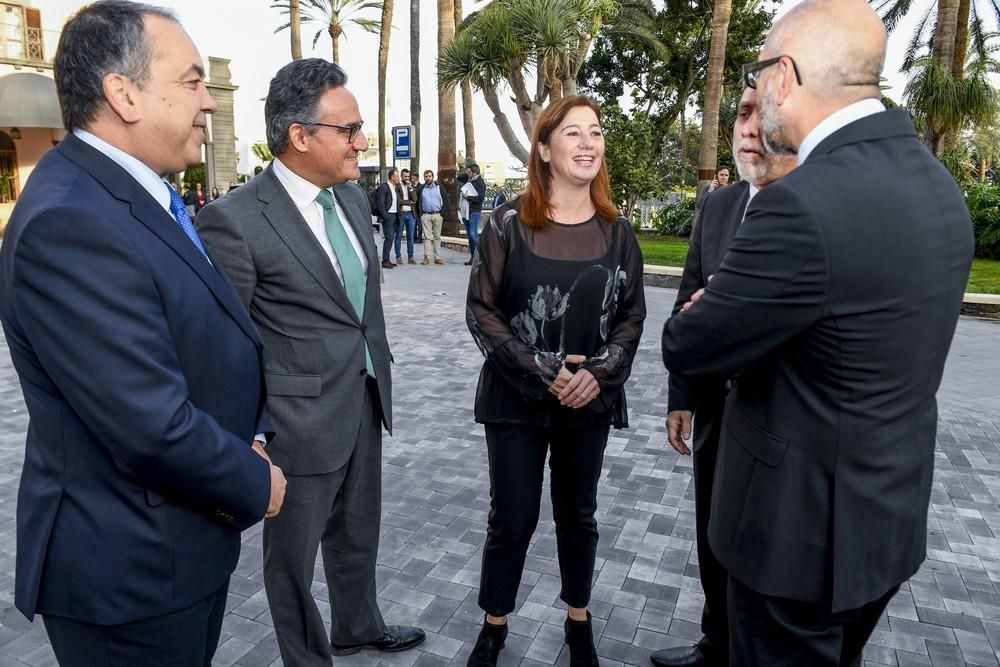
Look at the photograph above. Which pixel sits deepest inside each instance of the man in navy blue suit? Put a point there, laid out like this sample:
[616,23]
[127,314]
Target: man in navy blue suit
[140,367]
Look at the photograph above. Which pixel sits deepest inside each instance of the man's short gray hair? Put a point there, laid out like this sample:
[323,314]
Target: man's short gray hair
[107,37]
[293,97]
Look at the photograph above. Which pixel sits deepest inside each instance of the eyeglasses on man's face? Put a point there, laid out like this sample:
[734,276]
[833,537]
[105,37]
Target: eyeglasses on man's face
[751,71]
[351,130]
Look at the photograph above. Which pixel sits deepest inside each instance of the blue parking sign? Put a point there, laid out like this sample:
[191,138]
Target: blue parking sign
[401,142]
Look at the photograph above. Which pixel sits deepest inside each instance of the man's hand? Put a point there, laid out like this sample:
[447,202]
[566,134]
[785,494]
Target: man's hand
[580,390]
[258,447]
[679,430]
[696,297]
[277,492]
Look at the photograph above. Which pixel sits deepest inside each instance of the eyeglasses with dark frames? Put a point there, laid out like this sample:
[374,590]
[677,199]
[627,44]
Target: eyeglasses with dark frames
[751,71]
[352,129]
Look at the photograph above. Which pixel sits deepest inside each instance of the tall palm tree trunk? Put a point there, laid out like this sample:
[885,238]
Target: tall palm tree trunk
[295,28]
[468,126]
[446,120]
[943,55]
[708,150]
[383,62]
[415,86]
[335,40]
[961,39]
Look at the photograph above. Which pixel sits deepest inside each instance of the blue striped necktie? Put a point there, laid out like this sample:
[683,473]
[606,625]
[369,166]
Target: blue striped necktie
[180,214]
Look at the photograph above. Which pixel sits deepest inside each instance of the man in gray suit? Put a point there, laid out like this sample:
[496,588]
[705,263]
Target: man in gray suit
[297,244]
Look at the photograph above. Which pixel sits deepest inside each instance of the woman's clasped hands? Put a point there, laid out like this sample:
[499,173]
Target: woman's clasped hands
[574,390]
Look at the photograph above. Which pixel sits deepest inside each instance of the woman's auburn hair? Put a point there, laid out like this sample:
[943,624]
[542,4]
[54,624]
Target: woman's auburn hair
[535,205]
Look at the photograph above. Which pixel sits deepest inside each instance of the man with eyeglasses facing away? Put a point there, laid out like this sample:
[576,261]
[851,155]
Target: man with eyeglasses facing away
[834,308]
[701,402]
[296,242]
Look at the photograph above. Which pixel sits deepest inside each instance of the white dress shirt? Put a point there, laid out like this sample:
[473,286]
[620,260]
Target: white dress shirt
[837,120]
[303,194]
[136,168]
[753,191]
[393,207]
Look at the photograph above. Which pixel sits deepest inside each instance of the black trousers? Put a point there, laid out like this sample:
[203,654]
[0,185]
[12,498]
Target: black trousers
[714,622]
[184,638]
[517,468]
[779,632]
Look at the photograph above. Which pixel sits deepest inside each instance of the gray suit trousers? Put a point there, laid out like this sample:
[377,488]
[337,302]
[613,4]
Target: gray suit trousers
[337,513]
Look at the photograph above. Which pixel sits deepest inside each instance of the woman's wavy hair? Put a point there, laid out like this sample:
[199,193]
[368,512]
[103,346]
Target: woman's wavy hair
[535,206]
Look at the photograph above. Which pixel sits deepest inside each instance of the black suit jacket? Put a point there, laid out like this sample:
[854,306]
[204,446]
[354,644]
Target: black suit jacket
[720,217]
[836,305]
[383,200]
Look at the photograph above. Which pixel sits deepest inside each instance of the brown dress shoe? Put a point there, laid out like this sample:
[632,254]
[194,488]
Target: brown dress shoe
[386,264]
[427,260]
[439,261]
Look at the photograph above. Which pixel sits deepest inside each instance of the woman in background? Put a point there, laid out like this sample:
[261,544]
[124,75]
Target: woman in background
[556,305]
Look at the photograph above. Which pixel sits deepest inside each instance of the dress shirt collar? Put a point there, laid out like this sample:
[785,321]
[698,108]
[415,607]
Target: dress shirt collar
[136,168]
[302,192]
[837,120]
[753,191]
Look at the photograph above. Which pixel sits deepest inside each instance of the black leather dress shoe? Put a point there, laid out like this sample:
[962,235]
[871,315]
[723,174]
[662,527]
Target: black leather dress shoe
[686,656]
[396,638]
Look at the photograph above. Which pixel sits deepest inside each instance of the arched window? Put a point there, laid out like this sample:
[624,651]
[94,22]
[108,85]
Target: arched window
[8,169]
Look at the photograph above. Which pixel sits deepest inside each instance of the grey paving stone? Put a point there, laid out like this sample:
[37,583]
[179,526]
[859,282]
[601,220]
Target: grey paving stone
[646,593]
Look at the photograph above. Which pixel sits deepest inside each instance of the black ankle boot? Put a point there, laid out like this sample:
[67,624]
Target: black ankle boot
[491,640]
[580,638]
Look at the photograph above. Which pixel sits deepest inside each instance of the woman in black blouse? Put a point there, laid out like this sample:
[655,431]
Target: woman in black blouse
[556,305]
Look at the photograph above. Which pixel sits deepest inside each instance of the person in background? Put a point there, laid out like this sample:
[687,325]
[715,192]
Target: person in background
[141,370]
[407,220]
[388,198]
[721,179]
[500,198]
[556,305]
[474,197]
[432,206]
[199,198]
[214,194]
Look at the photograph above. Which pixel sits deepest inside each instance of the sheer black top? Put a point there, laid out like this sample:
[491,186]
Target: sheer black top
[537,295]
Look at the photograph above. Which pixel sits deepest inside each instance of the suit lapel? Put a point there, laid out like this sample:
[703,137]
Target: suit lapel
[148,211]
[281,212]
[729,223]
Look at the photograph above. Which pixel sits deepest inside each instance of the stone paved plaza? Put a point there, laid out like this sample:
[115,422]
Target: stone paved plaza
[646,590]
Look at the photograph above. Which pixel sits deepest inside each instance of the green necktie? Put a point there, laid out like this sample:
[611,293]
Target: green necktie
[355,281]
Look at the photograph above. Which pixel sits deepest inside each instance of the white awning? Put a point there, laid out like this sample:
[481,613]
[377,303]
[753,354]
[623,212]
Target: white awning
[29,100]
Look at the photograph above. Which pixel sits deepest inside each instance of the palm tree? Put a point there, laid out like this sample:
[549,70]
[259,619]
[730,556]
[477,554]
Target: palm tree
[708,148]
[383,62]
[944,104]
[415,83]
[333,15]
[446,117]
[469,128]
[510,41]
[985,142]
[295,28]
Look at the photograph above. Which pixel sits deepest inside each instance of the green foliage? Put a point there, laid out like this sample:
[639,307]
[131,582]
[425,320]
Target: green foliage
[983,201]
[676,218]
[195,174]
[664,84]
[262,152]
[633,166]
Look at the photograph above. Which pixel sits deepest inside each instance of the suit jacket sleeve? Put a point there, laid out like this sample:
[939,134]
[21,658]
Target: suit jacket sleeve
[682,390]
[383,200]
[772,284]
[113,358]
